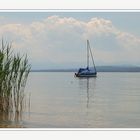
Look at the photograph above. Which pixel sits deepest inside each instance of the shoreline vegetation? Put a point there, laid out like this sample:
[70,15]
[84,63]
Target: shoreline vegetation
[14,70]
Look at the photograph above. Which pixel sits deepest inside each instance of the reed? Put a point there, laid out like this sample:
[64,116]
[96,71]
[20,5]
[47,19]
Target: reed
[14,70]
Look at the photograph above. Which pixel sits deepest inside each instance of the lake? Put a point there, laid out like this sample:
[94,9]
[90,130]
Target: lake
[60,100]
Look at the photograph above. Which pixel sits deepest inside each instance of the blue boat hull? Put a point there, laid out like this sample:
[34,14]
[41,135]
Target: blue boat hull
[86,75]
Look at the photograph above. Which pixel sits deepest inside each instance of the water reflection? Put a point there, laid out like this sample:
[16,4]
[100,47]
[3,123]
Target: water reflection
[10,120]
[88,86]
[14,119]
[87,92]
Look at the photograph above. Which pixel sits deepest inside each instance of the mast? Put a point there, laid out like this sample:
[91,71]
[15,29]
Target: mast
[91,55]
[87,54]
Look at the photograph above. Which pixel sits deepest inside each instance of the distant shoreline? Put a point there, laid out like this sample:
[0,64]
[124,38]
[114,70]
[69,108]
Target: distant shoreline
[99,69]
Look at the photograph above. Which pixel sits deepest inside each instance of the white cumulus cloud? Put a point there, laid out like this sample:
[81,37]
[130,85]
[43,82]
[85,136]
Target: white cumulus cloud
[61,41]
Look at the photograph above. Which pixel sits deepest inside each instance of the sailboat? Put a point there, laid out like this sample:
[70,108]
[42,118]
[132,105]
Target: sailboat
[88,71]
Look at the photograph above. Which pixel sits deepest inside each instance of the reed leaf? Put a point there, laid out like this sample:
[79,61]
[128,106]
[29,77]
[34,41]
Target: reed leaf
[14,70]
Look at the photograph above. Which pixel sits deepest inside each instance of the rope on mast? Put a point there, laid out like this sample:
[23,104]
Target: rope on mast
[91,55]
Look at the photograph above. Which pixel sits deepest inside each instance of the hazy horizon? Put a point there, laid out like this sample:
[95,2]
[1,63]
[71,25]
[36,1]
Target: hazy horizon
[58,39]
[98,68]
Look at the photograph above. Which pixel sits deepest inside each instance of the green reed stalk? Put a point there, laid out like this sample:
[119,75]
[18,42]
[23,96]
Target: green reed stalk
[14,71]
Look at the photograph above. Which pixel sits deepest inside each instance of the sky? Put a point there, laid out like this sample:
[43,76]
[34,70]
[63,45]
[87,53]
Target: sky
[55,40]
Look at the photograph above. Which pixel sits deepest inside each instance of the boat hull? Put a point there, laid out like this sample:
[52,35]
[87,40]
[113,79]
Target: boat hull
[86,75]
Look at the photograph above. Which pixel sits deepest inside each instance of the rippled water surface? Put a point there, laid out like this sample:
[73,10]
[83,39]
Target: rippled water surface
[59,100]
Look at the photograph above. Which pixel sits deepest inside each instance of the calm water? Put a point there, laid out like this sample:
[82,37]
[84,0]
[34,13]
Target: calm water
[59,100]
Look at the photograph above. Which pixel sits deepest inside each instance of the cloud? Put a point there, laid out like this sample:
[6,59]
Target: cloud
[60,40]
[98,27]
[128,40]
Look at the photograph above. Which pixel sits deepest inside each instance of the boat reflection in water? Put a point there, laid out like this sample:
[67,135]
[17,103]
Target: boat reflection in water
[87,88]
[87,85]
